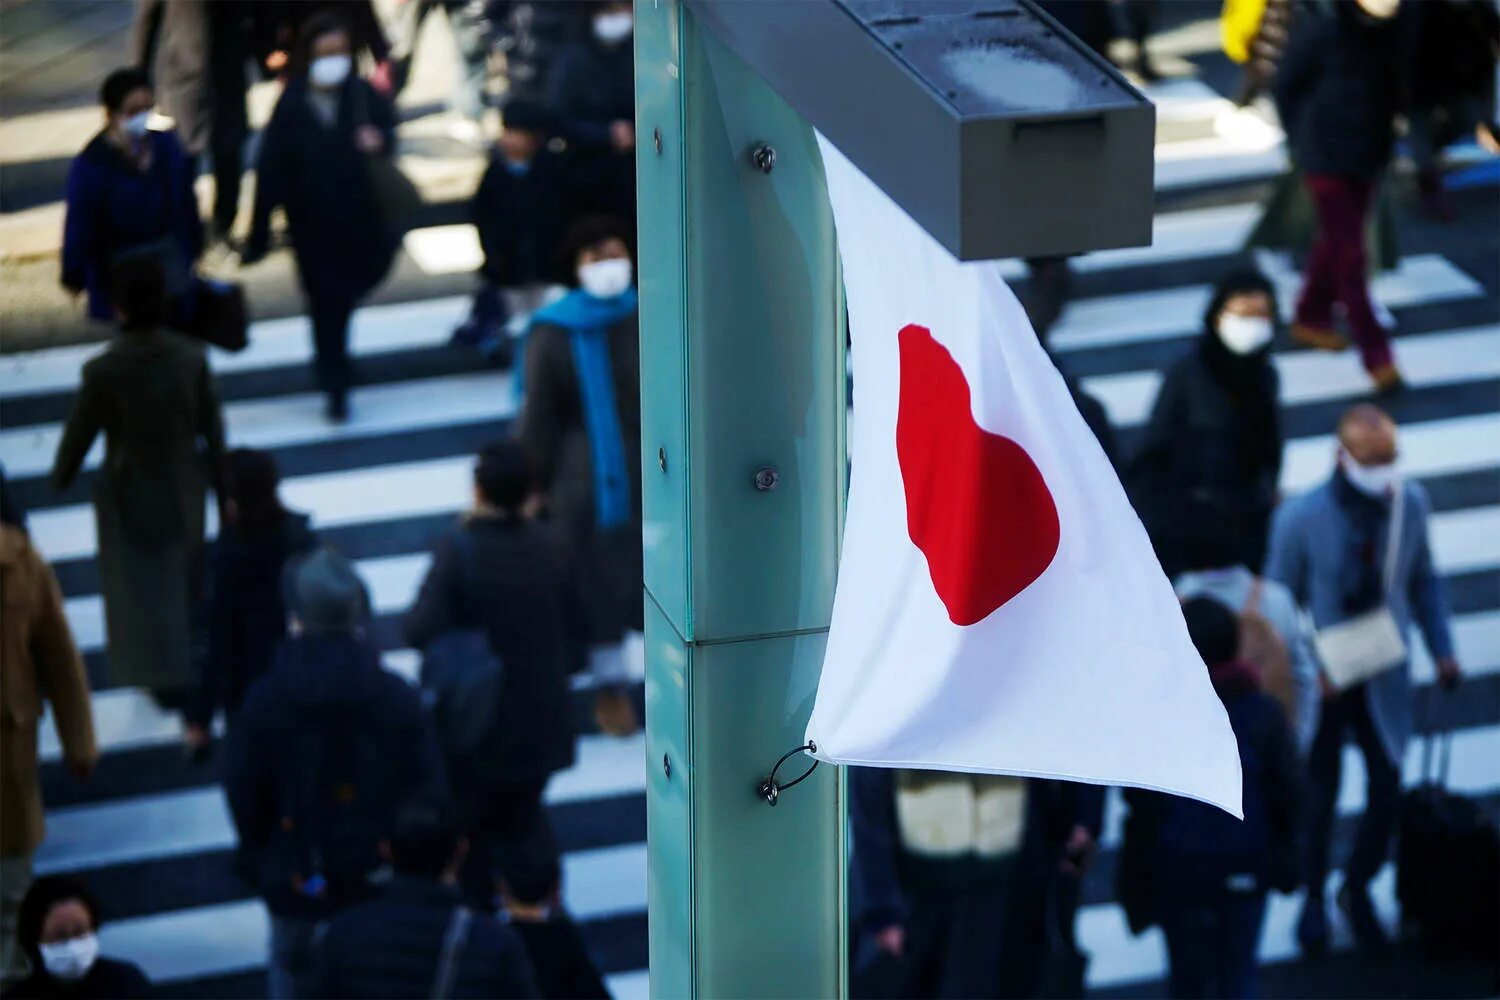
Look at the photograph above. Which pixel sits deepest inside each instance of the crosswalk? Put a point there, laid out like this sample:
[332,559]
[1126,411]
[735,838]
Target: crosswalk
[152,834]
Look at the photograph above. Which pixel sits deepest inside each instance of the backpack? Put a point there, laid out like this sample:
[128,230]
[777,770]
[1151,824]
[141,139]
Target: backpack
[331,817]
[463,679]
[1262,646]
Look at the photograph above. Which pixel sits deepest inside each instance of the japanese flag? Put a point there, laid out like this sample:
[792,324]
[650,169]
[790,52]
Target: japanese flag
[999,607]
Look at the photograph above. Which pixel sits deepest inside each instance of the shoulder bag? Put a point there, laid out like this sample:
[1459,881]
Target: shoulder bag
[1367,645]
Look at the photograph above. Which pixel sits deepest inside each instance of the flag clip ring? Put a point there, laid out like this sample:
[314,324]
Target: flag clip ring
[770,790]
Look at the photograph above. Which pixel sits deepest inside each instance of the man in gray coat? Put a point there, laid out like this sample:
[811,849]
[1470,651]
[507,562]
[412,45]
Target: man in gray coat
[1330,547]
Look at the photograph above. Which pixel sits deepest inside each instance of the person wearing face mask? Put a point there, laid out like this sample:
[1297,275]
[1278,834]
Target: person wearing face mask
[1215,432]
[1338,552]
[1338,90]
[314,164]
[130,192]
[592,95]
[581,423]
[521,211]
[59,931]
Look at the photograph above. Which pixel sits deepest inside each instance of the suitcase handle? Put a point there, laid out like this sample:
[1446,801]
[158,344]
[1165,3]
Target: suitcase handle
[1443,735]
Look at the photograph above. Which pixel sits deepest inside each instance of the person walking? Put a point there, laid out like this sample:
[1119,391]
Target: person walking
[417,939]
[1338,91]
[246,605]
[314,163]
[39,664]
[1272,638]
[329,745]
[1215,430]
[152,395]
[521,211]
[504,573]
[592,94]
[1213,872]
[532,896]
[1453,88]
[59,932]
[581,425]
[1354,547]
[130,194]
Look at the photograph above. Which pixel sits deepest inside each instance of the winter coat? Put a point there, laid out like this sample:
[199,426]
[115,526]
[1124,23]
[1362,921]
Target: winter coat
[341,239]
[564,969]
[153,397]
[1456,51]
[109,979]
[112,206]
[246,609]
[391,947]
[607,564]
[1314,553]
[317,677]
[1210,437]
[1338,90]
[171,39]
[522,219]
[510,576]
[1231,586]
[38,662]
[593,86]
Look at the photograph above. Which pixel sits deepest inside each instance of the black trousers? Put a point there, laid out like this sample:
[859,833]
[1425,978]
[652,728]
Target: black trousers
[330,324]
[499,818]
[1349,712]
[229,124]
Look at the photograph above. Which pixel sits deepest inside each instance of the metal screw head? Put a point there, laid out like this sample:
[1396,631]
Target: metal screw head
[666,765]
[656,138]
[661,458]
[766,479]
[764,158]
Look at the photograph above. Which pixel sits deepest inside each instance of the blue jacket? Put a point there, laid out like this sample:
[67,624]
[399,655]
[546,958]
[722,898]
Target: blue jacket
[390,947]
[332,679]
[112,206]
[1312,553]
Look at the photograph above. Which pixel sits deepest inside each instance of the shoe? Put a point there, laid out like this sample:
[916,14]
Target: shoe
[615,713]
[1355,902]
[1312,927]
[1387,379]
[337,407]
[1318,339]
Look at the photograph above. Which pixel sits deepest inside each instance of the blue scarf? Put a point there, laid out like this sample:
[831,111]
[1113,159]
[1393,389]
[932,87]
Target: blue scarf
[588,321]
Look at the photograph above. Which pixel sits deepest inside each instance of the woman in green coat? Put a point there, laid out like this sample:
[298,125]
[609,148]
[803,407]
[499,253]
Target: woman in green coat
[152,395]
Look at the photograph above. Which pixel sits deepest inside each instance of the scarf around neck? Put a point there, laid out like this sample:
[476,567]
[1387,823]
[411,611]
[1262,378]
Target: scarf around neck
[588,321]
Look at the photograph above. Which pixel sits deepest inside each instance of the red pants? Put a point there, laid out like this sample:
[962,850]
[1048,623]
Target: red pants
[1336,266]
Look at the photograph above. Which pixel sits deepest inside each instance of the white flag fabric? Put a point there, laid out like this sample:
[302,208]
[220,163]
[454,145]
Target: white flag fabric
[999,607]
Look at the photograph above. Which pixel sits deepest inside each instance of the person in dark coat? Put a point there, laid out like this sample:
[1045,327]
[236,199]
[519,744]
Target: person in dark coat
[507,573]
[246,609]
[276,26]
[592,94]
[950,905]
[395,945]
[129,193]
[1338,91]
[314,163]
[1453,87]
[152,395]
[59,932]
[1213,871]
[1215,431]
[532,893]
[522,210]
[328,746]
[581,425]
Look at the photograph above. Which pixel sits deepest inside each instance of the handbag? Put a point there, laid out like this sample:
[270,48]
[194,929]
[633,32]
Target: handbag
[1367,645]
[219,315]
[399,199]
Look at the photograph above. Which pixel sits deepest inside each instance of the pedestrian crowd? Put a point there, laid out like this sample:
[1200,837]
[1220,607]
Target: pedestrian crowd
[397,833]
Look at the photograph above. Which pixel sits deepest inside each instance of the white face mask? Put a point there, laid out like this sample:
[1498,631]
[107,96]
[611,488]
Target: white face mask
[613,28]
[137,125]
[606,279]
[1378,481]
[1245,334]
[327,72]
[72,959]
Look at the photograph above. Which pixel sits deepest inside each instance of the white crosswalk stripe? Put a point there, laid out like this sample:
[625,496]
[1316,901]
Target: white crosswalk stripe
[129,831]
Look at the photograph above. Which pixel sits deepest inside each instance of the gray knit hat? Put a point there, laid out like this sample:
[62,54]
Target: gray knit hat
[325,592]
